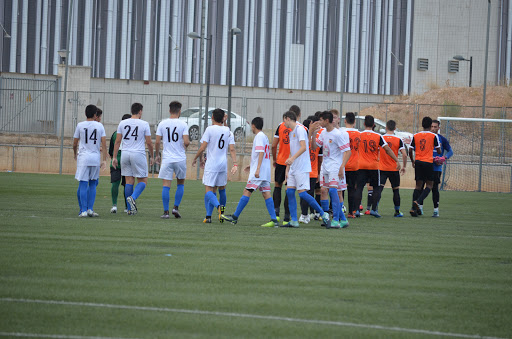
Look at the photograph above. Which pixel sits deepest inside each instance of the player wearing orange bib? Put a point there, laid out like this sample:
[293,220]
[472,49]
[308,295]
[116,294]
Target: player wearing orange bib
[387,166]
[422,146]
[369,152]
[353,163]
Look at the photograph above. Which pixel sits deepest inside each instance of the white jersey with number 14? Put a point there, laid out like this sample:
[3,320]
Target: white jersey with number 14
[90,134]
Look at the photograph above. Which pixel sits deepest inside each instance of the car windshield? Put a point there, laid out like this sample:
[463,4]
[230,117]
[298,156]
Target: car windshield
[189,112]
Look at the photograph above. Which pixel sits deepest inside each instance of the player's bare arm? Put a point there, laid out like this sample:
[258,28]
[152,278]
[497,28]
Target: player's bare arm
[275,141]
[313,129]
[393,156]
[149,143]
[199,152]
[404,161]
[260,161]
[232,152]
[75,147]
[104,151]
[411,155]
[301,150]
[186,141]
[346,157]
[116,150]
[157,148]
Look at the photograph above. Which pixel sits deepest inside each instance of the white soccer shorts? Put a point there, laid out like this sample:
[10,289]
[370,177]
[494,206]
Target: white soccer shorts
[86,173]
[299,180]
[134,165]
[261,185]
[332,180]
[178,168]
[215,179]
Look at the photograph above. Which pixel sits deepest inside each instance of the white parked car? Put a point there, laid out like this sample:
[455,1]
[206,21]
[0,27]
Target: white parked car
[380,127]
[239,125]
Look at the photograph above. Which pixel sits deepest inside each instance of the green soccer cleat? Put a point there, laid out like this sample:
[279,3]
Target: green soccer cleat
[398,214]
[343,223]
[231,218]
[293,224]
[221,209]
[271,223]
[334,224]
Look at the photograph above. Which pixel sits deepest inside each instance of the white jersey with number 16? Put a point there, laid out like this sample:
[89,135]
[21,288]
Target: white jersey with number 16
[218,139]
[172,132]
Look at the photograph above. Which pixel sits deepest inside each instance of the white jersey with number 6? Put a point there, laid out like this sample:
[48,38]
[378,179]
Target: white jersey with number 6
[90,134]
[218,139]
[134,132]
[172,132]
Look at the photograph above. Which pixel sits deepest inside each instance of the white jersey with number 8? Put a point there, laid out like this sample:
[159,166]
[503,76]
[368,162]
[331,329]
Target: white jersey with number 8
[172,132]
[134,132]
[218,138]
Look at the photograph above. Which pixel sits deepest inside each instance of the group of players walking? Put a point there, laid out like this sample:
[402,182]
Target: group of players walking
[318,159]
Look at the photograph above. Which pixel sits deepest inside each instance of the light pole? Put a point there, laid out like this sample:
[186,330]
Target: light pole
[232,32]
[194,35]
[65,53]
[461,58]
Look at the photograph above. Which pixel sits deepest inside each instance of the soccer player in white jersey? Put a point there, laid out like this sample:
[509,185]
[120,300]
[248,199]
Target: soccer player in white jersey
[134,133]
[217,140]
[88,134]
[336,153]
[174,134]
[259,175]
[298,166]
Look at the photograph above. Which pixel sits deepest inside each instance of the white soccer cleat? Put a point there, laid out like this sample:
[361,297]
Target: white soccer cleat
[91,213]
[344,209]
[307,219]
[83,215]
[302,219]
[113,209]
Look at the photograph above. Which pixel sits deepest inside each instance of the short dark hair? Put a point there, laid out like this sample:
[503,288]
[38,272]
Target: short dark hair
[313,118]
[295,109]
[317,114]
[327,115]
[391,125]
[174,107]
[350,117]
[291,115]
[306,123]
[258,123]
[369,121]
[426,122]
[218,115]
[99,112]
[437,122]
[90,111]
[136,108]
[126,116]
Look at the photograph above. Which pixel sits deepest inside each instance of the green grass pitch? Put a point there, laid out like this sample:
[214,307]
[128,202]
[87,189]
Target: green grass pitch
[143,277]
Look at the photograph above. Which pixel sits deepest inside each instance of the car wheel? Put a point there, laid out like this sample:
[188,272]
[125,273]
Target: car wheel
[239,134]
[193,133]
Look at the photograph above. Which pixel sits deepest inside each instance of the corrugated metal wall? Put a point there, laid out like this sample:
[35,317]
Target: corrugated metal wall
[147,40]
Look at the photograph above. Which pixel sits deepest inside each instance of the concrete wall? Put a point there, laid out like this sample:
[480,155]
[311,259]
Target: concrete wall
[443,29]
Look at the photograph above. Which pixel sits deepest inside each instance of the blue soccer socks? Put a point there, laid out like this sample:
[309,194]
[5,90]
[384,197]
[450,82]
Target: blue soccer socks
[180,189]
[138,190]
[165,197]
[241,205]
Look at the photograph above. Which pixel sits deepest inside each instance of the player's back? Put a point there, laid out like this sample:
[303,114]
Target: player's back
[134,132]
[355,138]
[218,139]
[261,144]
[369,150]
[301,163]
[172,132]
[386,163]
[424,143]
[90,134]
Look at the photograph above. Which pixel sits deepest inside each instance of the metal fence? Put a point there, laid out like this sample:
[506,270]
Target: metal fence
[28,106]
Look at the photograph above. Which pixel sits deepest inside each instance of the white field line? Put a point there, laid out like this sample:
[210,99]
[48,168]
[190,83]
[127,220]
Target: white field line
[38,335]
[251,316]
